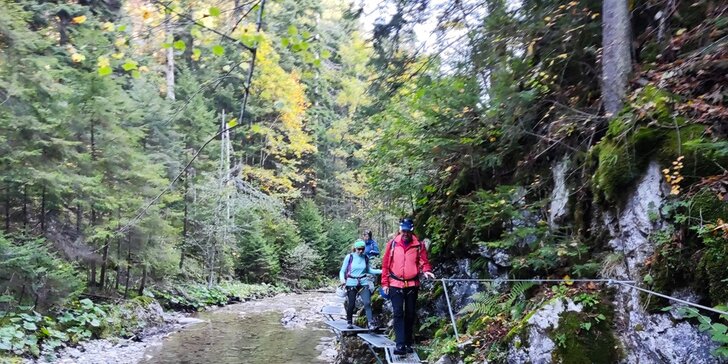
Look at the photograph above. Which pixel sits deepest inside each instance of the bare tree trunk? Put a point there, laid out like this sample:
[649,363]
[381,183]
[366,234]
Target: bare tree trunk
[7,208]
[92,276]
[64,19]
[128,271]
[42,209]
[104,261]
[144,280]
[616,57]
[170,57]
[25,206]
[665,14]
[184,223]
[118,251]
[79,216]
[92,280]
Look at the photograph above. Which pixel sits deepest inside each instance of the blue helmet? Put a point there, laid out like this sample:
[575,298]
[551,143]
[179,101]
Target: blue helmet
[406,225]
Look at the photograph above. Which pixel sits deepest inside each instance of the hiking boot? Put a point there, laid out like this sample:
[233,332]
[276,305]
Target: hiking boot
[400,350]
[349,325]
[372,329]
[409,349]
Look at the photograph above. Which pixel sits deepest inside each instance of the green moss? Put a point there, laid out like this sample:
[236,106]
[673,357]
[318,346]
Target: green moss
[654,104]
[712,273]
[144,301]
[576,345]
[706,206]
[616,170]
[619,126]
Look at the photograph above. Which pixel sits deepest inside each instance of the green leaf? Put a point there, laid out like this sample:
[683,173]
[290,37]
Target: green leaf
[325,54]
[218,50]
[166,45]
[105,71]
[248,39]
[128,66]
[720,328]
[30,326]
[292,30]
[135,74]
[285,42]
[180,45]
[86,303]
[214,11]
[121,28]
[648,279]
[232,123]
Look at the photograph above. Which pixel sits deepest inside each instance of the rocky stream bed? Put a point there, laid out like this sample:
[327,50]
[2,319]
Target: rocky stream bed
[285,328]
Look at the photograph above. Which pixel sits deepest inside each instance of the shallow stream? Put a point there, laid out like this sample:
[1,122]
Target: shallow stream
[228,338]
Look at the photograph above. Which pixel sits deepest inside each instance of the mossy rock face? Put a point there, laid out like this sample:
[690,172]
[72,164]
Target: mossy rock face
[632,141]
[712,269]
[618,168]
[707,206]
[576,345]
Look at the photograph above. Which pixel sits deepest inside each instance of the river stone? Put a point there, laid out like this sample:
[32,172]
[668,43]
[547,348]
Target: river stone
[448,360]
[539,346]
[189,321]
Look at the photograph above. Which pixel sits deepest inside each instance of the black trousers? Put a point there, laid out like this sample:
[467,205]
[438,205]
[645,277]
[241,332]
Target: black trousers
[404,308]
[366,299]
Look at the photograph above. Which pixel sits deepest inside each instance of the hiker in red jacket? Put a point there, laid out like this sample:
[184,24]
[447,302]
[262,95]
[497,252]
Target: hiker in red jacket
[405,257]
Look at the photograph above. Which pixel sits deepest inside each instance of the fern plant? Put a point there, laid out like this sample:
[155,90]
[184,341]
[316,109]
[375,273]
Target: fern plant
[492,303]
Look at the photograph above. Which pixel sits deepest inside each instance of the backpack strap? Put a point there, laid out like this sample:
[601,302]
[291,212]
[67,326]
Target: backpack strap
[393,243]
[348,265]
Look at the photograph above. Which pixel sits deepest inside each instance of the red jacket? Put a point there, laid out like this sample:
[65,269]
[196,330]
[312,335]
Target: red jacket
[404,263]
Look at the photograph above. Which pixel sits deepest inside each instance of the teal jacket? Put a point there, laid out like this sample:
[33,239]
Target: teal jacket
[358,266]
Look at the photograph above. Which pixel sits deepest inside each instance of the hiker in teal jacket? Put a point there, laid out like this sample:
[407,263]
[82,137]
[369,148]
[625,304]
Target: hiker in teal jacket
[355,275]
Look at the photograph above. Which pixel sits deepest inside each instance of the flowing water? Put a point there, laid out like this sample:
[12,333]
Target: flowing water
[242,334]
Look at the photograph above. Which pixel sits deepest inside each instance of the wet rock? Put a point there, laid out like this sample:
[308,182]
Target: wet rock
[460,292]
[559,195]
[327,347]
[648,338]
[448,360]
[539,347]
[186,321]
[292,320]
[353,351]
